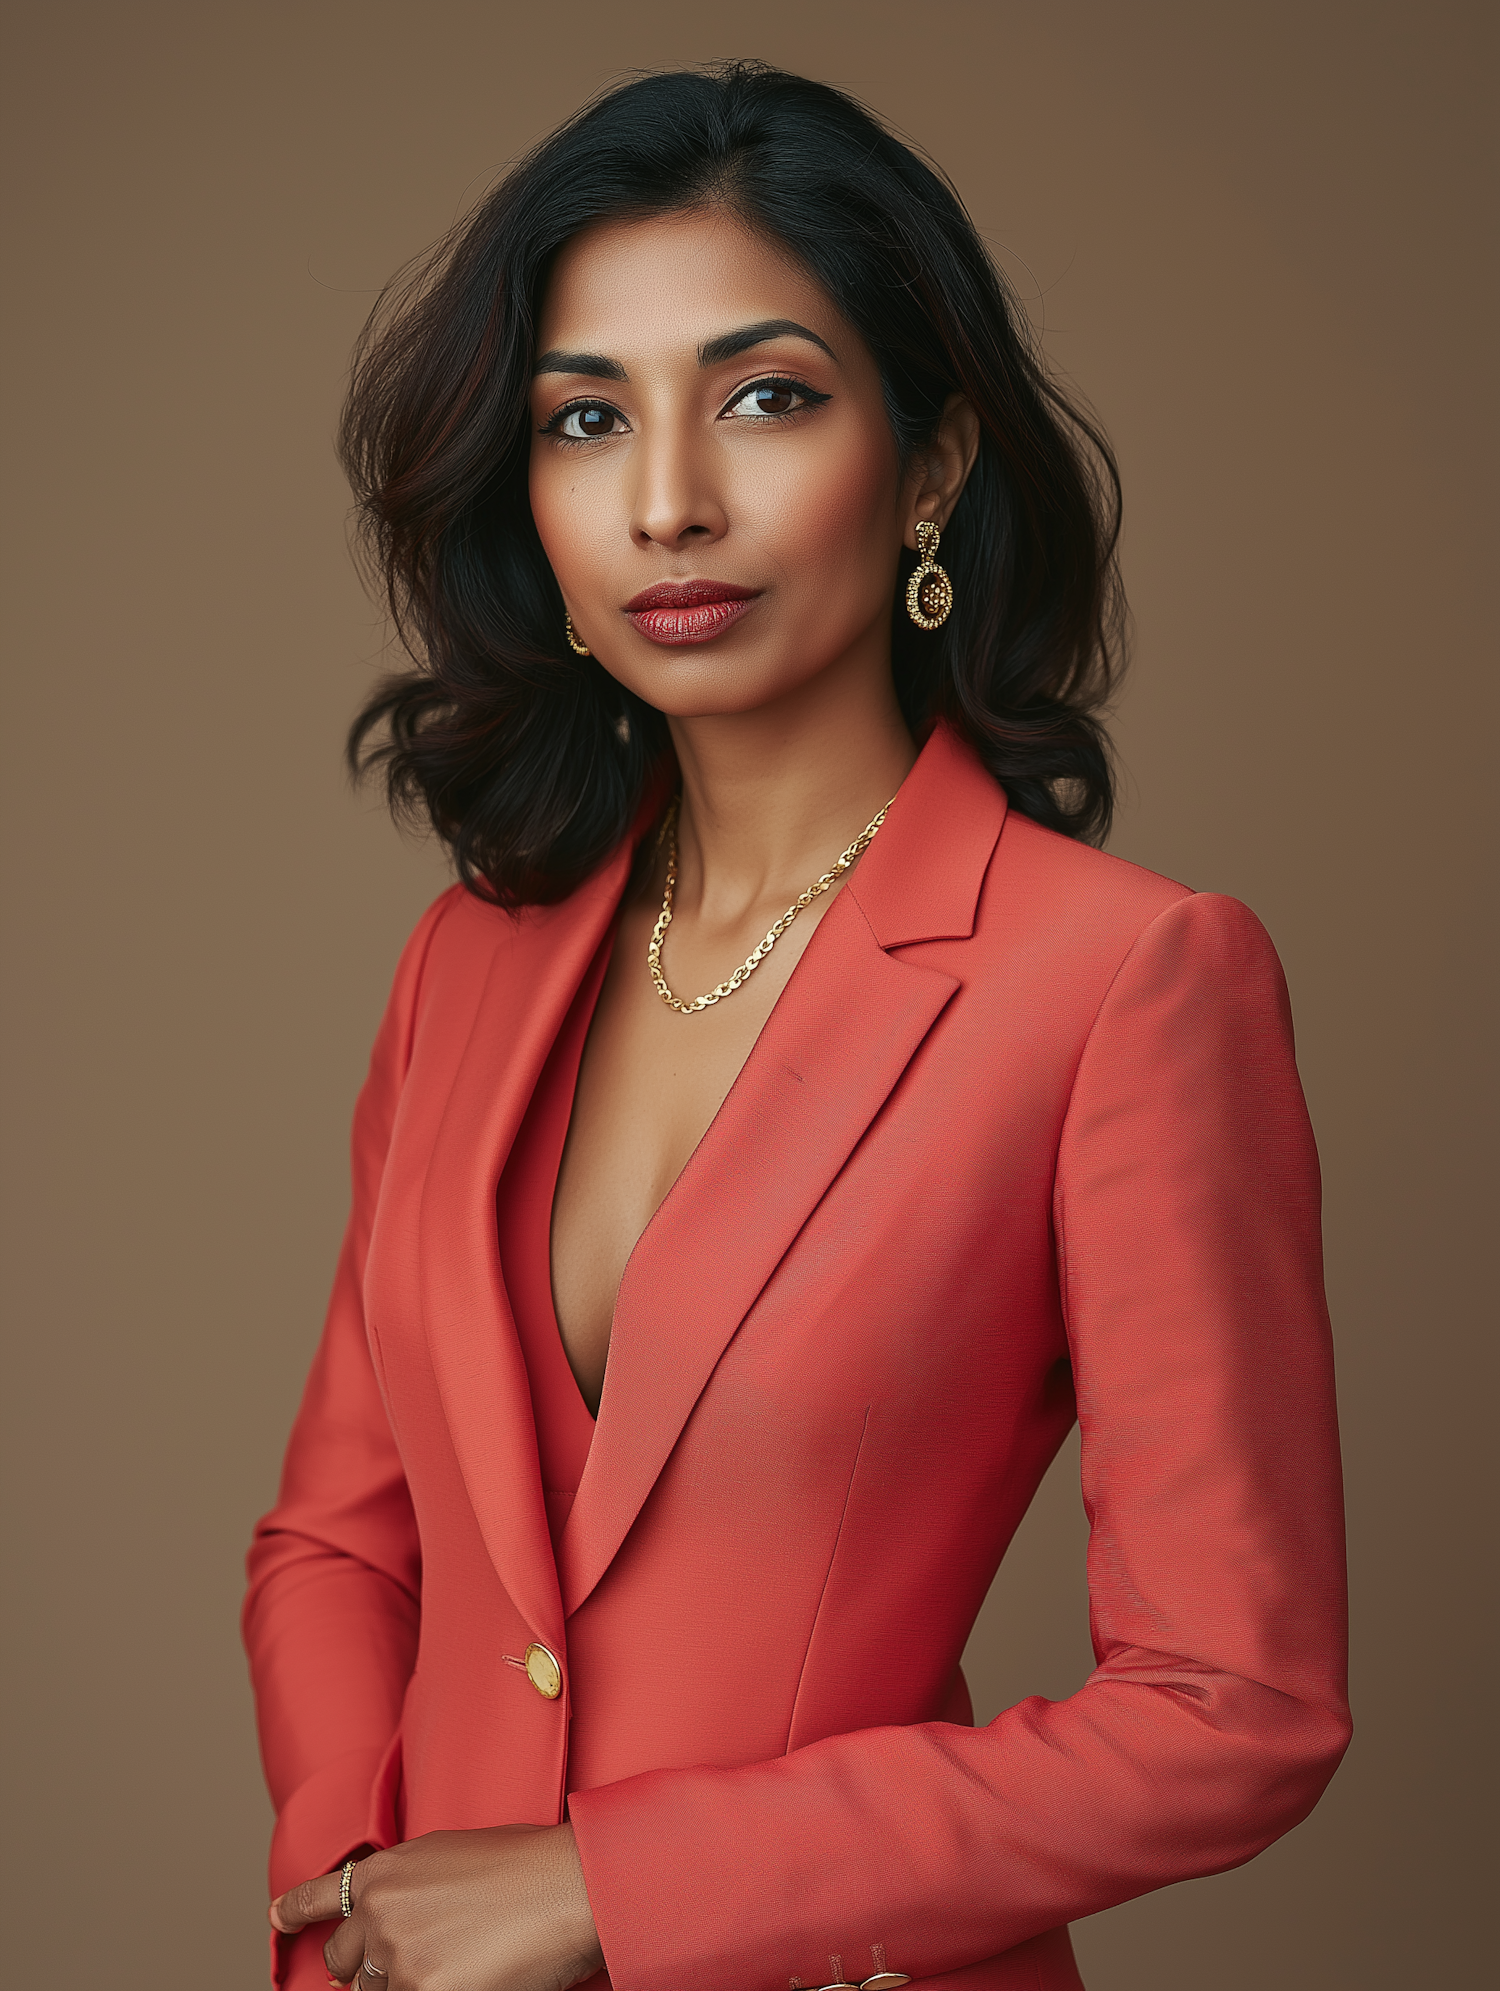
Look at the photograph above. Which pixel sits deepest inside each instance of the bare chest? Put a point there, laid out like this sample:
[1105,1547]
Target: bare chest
[649,1086]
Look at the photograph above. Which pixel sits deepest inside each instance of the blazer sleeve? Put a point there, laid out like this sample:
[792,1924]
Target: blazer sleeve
[1189,1261]
[330,1618]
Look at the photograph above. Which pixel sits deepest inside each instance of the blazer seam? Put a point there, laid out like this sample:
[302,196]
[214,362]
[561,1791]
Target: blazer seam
[1059,1198]
[838,1536]
[434,917]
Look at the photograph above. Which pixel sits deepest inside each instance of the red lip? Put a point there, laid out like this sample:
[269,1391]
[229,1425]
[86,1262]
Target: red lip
[687,594]
[676,612]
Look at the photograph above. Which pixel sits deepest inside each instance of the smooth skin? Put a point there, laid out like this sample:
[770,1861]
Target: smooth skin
[701,412]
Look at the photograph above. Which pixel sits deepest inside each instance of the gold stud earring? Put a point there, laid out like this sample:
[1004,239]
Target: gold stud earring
[929,592]
[576,643]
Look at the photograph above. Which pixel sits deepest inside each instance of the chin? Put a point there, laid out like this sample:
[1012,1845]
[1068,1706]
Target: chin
[703,684]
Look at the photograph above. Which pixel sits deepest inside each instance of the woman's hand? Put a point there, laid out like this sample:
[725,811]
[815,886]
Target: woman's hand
[504,1909]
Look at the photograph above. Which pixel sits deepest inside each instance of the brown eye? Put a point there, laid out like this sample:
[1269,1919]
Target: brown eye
[584,423]
[770,398]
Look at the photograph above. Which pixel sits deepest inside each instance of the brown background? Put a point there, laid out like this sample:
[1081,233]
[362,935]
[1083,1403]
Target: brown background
[1252,231]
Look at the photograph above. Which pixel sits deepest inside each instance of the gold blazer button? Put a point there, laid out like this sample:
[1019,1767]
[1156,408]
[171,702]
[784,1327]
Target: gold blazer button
[885,1980]
[544,1673]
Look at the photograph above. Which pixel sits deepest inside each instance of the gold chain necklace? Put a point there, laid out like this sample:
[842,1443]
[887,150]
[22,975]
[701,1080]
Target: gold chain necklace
[758,954]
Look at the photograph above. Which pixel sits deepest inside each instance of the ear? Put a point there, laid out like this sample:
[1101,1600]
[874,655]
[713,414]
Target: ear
[941,467]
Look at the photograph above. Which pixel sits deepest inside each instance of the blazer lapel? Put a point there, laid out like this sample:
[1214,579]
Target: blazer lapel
[841,1035]
[539,962]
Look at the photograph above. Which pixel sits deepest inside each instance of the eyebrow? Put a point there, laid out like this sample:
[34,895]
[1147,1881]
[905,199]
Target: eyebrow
[729,345]
[713,352]
[595,365]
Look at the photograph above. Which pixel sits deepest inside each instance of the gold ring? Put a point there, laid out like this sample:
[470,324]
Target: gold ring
[344,1879]
[372,1969]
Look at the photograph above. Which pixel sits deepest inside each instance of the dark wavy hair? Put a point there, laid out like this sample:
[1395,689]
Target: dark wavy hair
[530,762]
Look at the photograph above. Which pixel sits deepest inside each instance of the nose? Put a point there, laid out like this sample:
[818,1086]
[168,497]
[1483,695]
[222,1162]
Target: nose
[675,503]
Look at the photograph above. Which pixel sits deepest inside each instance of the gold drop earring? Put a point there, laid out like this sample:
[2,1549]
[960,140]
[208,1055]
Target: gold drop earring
[581,649]
[929,592]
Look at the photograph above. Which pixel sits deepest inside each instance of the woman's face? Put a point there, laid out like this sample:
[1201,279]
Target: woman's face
[713,472]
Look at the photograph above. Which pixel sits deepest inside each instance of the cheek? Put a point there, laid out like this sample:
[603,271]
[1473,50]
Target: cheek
[568,518]
[829,516]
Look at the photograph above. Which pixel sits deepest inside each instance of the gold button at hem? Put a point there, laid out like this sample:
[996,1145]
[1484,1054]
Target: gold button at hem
[885,1980]
[544,1673]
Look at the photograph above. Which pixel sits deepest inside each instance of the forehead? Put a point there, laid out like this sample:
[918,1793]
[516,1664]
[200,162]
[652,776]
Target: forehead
[669,282]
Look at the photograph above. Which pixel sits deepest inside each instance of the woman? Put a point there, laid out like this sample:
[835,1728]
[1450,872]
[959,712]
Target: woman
[738,1223]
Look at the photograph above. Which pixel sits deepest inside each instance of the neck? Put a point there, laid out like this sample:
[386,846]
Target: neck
[771,797]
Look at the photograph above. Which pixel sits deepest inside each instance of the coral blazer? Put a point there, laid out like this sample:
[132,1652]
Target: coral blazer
[1021,1140]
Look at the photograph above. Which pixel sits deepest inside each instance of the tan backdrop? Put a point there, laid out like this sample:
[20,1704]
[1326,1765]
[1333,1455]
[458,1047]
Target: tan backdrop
[1250,231]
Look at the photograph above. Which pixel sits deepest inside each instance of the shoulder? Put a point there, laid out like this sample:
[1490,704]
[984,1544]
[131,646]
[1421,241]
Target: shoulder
[1075,882]
[1091,891]
[451,944]
[462,938]
[1048,892]
[1064,914]
[447,929]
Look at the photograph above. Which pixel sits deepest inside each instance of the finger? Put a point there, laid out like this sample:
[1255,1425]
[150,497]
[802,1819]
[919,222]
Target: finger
[344,1953]
[314,1901]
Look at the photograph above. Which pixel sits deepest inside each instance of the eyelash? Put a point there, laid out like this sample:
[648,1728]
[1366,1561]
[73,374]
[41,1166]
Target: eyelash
[810,397]
[789,384]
